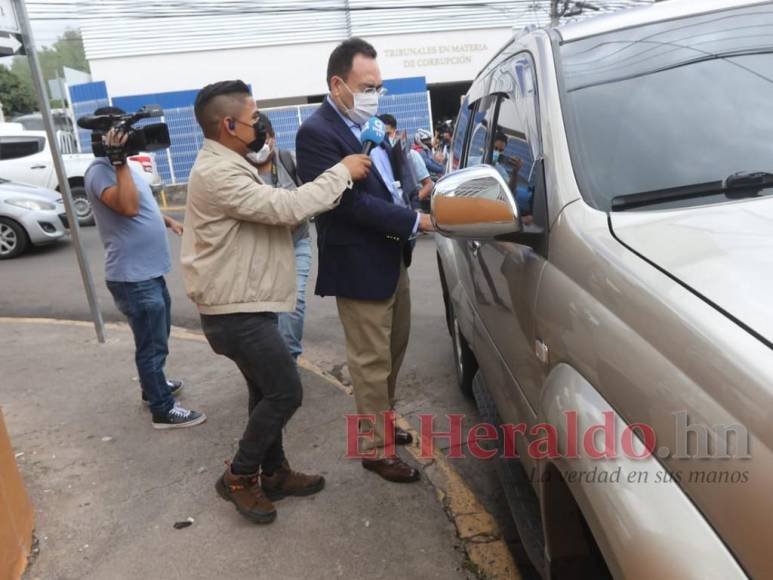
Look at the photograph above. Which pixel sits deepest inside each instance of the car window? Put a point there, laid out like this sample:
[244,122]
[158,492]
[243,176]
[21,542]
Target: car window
[460,132]
[670,105]
[16,147]
[516,139]
[482,119]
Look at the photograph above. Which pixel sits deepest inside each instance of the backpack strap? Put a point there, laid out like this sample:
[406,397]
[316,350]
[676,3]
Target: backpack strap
[288,162]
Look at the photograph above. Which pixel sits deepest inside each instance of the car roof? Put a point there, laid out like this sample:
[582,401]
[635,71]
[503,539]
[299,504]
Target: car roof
[657,12]
[18,130]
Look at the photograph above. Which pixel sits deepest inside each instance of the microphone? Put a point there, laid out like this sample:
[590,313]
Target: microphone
[372,135]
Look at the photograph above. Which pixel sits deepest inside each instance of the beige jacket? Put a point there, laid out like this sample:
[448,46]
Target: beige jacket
[237,249]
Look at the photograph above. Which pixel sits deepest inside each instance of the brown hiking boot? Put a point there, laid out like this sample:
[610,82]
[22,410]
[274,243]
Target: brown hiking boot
[245,493]
[286,482]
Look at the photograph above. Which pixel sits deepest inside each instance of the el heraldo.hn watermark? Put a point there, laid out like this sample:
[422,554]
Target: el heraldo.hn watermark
[599,442]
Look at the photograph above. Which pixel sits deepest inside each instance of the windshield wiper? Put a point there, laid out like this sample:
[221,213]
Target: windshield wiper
[736,186]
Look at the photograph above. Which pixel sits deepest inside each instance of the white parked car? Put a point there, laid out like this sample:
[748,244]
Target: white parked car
[29,215]
[25,157]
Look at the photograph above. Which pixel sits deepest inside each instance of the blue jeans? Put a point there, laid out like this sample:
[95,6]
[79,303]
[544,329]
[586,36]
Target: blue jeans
[148,307]
[291,323]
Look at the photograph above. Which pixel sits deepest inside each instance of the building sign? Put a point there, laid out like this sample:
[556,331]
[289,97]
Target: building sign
[436,55]
[10,37]
[441,57]
[8,21]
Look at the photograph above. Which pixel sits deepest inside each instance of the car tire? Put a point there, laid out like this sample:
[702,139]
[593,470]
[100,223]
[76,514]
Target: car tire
[464,360]
[13,239]
[82,205]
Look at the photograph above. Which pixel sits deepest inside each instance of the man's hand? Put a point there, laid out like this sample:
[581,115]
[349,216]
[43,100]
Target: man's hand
[425,223]
[426,189]
[358,166]
[515,162]
[173,225]
[114,142]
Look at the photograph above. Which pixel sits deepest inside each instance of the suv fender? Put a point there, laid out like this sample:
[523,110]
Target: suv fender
[643,529]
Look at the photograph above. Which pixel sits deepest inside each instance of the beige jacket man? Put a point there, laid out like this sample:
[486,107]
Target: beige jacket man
[237,249]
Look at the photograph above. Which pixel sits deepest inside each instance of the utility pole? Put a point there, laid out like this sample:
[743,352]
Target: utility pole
[554,15]
[28,45]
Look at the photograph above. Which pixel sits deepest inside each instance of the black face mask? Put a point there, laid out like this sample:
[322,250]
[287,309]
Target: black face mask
[260,134]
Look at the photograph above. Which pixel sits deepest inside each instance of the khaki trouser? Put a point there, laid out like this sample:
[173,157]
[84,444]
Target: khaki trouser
[377,334]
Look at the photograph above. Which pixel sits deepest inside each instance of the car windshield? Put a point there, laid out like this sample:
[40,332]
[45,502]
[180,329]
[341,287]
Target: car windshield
[669,105]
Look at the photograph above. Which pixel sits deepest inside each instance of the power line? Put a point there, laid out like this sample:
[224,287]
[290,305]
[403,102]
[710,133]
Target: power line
[93,9]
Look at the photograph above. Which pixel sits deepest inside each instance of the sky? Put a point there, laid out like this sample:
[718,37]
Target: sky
[45,32]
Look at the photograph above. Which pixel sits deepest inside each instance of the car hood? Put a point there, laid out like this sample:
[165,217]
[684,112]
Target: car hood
[16,188]
[723,252]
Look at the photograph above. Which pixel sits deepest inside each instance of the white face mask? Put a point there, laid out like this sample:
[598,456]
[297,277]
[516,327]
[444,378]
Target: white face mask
[365,106]
[261,156]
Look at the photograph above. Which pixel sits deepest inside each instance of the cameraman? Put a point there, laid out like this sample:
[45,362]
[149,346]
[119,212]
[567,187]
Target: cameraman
[133,232]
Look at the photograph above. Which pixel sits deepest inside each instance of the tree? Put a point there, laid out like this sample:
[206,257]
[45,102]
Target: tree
[16,96]
[66,51]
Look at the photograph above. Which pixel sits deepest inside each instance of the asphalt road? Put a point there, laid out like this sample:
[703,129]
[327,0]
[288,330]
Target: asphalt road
[46,283]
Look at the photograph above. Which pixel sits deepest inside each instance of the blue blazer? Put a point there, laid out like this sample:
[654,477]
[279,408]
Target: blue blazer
[363,240]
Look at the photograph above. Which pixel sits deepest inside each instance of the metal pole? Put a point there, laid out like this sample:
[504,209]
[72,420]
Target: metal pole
[61,173]
[554,18]
[169,158]
[71,109]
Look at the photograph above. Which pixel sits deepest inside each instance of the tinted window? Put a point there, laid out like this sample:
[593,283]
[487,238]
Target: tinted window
[459,133]
[516,133]
[671,104]
[13,148]
[482,120]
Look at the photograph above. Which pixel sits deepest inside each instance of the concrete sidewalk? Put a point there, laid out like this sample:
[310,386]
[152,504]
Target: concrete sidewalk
[108,488]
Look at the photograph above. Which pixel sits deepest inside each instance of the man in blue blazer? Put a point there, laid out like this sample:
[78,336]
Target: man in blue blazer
[364,248]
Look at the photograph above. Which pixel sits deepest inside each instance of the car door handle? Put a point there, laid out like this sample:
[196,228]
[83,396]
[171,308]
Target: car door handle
[474,248]
[38,166]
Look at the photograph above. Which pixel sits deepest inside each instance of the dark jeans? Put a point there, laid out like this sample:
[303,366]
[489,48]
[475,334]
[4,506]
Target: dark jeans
[148,307]
[253,342]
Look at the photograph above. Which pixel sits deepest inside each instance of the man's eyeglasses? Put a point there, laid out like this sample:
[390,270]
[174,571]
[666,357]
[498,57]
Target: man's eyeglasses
[380,91]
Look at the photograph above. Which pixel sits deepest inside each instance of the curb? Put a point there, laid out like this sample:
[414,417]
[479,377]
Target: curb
[487,553]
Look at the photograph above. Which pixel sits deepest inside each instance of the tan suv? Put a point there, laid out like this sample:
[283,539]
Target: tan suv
[607,265]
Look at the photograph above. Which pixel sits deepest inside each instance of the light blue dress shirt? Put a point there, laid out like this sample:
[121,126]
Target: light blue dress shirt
[380,159]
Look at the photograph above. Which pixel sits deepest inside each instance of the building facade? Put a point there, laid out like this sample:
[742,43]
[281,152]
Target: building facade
[429,52]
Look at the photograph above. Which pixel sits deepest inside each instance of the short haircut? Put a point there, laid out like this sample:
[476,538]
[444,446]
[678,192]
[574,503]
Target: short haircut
[499,136]
[109,111]
[269,127]
[340,62]
[388,119]
[217,101]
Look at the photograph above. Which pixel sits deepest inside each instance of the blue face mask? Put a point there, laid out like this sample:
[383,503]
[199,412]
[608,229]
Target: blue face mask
[495,156]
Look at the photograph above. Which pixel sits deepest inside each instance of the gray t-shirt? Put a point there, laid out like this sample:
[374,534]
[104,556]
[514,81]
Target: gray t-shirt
[285,181]
[136,248]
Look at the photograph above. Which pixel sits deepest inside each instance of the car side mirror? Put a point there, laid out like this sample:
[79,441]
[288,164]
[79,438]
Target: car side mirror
[474,203]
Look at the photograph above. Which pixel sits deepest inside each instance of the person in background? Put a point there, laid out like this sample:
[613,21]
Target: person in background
[509,168]
[277,167]
[422,144]
[445,133]
[133,232]
[420,173]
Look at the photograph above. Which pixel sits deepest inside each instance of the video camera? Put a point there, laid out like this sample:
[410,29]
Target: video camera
[151,137]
